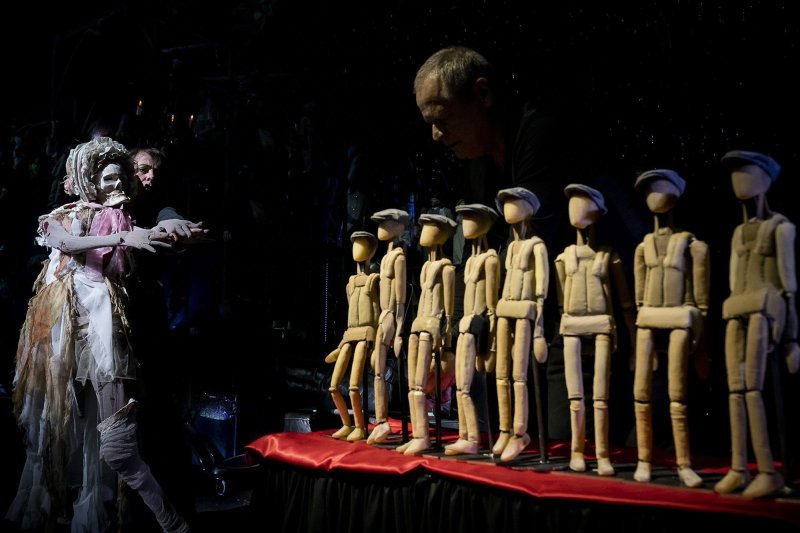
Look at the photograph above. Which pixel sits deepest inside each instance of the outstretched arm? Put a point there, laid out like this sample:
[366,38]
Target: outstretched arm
[143,239]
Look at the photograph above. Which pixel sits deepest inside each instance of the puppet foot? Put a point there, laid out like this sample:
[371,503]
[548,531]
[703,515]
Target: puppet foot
[764,484]
[604,467]
[576,462]
[502,442]
[642,472]
[734,479]
[403,447]
[514,447]
[418,445]
[689,477]
[344,432]
[379,433]
[357,434]
[461,446]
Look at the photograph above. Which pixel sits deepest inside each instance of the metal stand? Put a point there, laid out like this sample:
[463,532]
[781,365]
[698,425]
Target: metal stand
[484,376]
[365,397]
[540,421]
[787,458]
[402,383]
[437,404]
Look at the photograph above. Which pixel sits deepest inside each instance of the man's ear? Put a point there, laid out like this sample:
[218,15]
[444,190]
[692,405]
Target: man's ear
[483,91]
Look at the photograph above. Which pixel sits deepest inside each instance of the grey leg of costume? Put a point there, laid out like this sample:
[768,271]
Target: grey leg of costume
[119,447]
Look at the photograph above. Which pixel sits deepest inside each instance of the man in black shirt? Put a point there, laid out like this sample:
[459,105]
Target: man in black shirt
[508,144]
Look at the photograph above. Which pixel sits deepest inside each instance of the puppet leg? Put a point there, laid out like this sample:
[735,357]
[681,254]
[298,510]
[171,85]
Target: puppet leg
[468,437]
[421,440]
[119,447]
[642,385]
[356,375]
[577,407]
[769,480]
[413,350]
[521,358]
[678,372]
[502,373]
[602,377]
[381,430]
[737,476]
[338,400]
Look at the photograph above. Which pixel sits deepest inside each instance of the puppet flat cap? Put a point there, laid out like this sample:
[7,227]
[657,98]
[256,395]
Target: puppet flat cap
[477,208]
[517,192]
[373,240]
[660,174]
[739,158]
[595,195]
[440,220]
[398,215]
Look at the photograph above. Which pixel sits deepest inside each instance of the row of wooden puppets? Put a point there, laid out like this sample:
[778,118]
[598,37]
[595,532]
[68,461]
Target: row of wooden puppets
[500,329]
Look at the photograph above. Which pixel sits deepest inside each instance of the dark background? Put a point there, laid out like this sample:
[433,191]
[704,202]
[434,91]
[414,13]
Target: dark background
[282,92]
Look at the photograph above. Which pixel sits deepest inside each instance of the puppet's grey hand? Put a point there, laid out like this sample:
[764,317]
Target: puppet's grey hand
[145,239]
[182,230]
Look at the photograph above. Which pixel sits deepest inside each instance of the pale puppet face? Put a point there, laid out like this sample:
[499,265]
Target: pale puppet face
[661,195]
[462,124]
[145,169]
[583,211]
[749,181]
[110,185]
[390,229]
[475,225]
[516,210]
[363,250]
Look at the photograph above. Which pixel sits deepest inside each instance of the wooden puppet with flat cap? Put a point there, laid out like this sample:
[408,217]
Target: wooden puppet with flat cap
[761,317]
[392,223]
[432,328]
[475,347]
[588,276]
[671,274]
[520,319]
[362,322]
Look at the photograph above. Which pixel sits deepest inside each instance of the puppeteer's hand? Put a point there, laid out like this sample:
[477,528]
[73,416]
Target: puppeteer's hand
[144,239]
[792,351]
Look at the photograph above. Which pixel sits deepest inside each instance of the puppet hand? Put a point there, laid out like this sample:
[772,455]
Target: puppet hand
[398,345]
[183,230]
[792,357]
[540,349]
[332,356]
[491,361]
[144,239]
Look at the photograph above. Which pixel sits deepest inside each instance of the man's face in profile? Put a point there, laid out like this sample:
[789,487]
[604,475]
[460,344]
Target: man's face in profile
[460,123]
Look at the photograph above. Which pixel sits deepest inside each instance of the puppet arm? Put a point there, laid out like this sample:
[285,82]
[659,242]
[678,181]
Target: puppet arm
[492,267]
[784,244]
[449,279]
[400,298]
[143,239]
